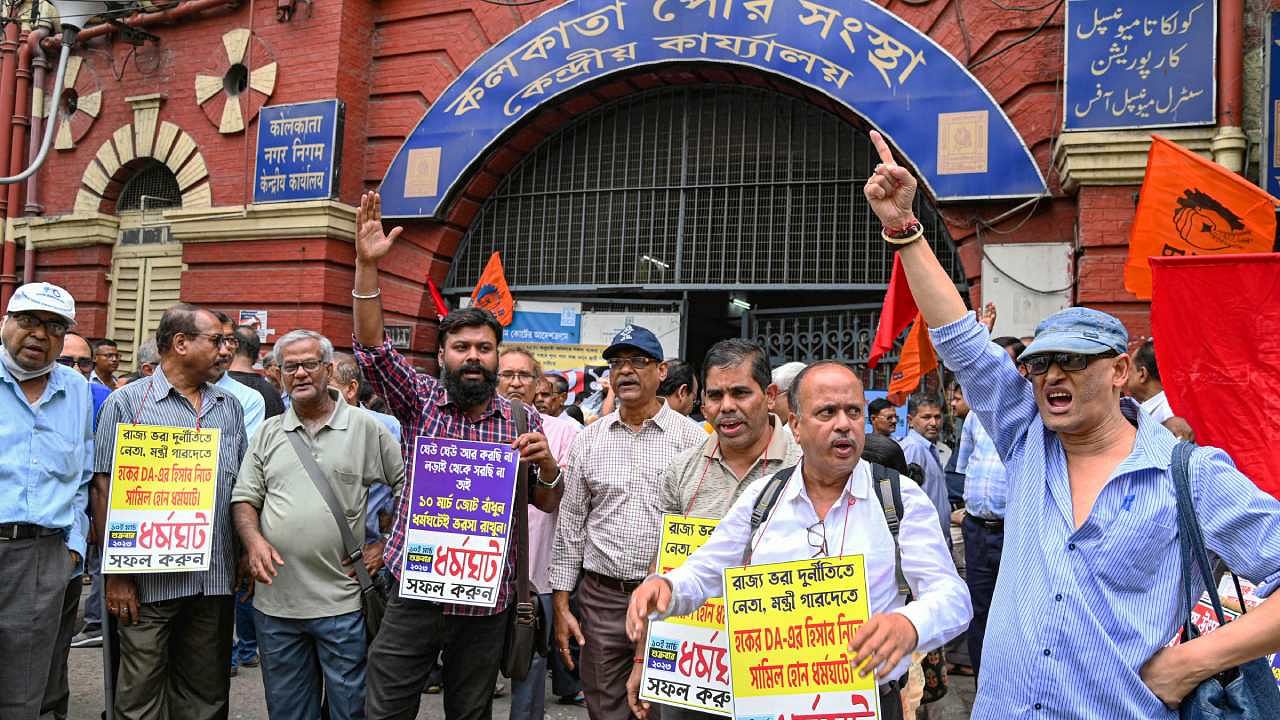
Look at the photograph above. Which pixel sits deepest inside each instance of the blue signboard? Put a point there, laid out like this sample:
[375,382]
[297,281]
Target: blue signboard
[901,430]
[942,120]
[299,151]
[1270,161]
[560,328]
[1140,63]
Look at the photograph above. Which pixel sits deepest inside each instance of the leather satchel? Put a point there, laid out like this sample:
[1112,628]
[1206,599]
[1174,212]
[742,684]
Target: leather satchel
[373,598]
[526,633]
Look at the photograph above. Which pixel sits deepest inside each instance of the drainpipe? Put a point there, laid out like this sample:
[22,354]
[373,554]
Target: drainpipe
[191,7]
[8,82]
[39,66]
[18,136]
[1229,142]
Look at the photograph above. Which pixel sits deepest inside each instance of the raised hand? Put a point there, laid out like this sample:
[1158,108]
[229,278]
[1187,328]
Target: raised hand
[372,244]
[987,316]
[890,189]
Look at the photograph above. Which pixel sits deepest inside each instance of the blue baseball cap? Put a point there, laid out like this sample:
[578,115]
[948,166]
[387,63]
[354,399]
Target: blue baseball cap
[1078,330]
[636,338]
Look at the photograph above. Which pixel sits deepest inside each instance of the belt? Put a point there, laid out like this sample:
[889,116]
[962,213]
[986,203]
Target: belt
[622,586]
[987,523]
[25,531]
[894,686]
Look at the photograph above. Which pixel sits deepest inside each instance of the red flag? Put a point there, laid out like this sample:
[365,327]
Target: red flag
[895,316]
[492,293]
[1193,206]
[1215,321]
[916,361]
[442,308]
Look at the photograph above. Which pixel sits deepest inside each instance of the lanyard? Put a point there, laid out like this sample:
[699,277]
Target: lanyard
[137,413]
[764,463]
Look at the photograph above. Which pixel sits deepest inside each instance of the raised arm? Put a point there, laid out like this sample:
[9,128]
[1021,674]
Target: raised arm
[371,246]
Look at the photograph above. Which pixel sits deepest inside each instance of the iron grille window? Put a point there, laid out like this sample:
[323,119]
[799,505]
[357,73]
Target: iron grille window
[155,183]
[724,186]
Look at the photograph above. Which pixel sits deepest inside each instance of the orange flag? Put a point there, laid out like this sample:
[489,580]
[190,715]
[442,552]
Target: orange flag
[492,293]
[1193,206]
[916,361]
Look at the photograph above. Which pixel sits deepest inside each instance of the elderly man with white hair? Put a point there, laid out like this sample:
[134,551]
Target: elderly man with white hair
[783,377]
[307,609]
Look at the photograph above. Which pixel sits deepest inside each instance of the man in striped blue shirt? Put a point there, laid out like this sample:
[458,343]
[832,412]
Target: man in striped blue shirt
[1089,593]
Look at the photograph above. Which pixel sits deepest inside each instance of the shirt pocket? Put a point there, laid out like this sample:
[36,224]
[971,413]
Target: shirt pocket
[1143,549]
[350,489]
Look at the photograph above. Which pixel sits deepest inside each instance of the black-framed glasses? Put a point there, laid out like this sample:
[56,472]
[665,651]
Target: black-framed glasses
[817,537]
[638,362]
[308,365]
[1039,363]
[84,363]
[510,375]
[55,328]
[216,338]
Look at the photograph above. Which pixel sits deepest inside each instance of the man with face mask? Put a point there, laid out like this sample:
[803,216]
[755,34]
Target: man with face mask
[462,404]
[1090,588]
[46,441]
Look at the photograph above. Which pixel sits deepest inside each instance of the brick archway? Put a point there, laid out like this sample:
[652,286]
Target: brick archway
[111,166]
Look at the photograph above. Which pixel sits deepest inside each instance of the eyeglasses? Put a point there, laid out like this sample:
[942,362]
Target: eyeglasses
[1069,362]
[817,536]
[637,362]
[55,328]
[84,363]
[217,339]
[510,375]
[308,365]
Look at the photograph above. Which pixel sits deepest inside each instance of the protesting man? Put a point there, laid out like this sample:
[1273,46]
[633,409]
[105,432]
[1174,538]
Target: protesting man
[106,360]
[175,627]
[828,508]
[680,387]
[884,417]
[1144,383]
[463,404]
[310,628]
[1091,585]
[46,437]
[609,519]
[255,408]
[783,376]
[748,444]
[924,417]
[553,391]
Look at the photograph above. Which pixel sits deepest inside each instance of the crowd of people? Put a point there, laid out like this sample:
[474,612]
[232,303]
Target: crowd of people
[1058,491]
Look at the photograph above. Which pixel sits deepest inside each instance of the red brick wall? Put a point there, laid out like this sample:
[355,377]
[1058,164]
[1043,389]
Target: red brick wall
[83,273]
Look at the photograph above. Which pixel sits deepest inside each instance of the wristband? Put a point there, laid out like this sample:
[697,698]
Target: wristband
[916,234]
[370,296]
[639,660]
[554,482]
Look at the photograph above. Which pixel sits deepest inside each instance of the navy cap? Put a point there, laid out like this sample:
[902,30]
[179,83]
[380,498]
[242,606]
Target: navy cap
[636,338]
[1078,330]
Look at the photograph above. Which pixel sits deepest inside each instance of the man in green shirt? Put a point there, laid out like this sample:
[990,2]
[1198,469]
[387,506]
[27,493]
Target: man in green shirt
[307,603]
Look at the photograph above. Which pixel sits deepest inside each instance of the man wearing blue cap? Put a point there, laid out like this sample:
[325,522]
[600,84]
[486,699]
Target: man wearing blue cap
[46,446]
[1090,585]
[607,535]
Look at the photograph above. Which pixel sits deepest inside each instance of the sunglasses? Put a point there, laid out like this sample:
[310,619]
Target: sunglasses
[84,363]
[1039,363]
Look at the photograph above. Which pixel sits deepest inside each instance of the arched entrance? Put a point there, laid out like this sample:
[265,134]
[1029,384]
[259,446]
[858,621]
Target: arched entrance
[738,207]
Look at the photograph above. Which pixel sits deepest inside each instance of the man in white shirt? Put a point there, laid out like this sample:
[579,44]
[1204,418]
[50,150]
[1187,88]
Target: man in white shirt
[831,490]
[1145,386]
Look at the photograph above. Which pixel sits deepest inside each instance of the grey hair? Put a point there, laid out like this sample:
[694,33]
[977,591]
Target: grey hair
[293,336]
[148,353]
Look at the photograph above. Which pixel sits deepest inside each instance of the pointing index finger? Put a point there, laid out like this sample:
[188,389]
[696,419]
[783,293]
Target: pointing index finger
[882,148]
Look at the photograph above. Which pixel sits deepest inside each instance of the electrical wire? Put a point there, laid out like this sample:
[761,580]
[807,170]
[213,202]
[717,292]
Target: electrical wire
[1013,8]
[512,3]
[1039,28]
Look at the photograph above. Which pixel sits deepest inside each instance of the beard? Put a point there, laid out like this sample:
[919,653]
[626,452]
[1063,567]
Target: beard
[469,393]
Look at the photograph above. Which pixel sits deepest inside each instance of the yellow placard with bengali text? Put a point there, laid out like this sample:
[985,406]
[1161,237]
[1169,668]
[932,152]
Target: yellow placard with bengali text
[789,630]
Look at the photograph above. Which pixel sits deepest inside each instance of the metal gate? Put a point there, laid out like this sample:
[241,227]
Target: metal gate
[823,332]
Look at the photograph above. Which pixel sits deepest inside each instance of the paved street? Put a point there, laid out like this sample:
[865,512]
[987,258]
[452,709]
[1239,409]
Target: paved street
[247,701]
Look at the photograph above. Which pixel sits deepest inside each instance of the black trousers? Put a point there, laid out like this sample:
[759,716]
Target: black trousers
[412,634]
[982,548]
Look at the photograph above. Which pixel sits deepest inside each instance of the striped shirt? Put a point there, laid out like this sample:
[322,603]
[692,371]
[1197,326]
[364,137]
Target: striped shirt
[1077,612]
[920,451]
[609,516]
[424,409]
[984,479]
[154,401]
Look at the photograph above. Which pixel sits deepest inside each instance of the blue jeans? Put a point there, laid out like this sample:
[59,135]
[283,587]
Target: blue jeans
[246,647]
[528,697]
[300,658]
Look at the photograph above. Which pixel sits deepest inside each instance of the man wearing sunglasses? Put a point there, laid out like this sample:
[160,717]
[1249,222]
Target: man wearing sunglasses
[607,535]
[1089,591]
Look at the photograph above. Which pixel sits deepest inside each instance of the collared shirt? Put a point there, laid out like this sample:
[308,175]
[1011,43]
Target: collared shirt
[381,499]
[1157,406]
[255,408]
[424,409]
[154,401]
[354,451]
[46,454]
[985,485]
[561,431]
[920,451]
[1077,612]
[855,525]
[699,482]
[609,519]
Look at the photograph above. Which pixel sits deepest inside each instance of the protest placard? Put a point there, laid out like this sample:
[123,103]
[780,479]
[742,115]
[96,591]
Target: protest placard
[686,658]
[789,630]
[459,522]
[164,482]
